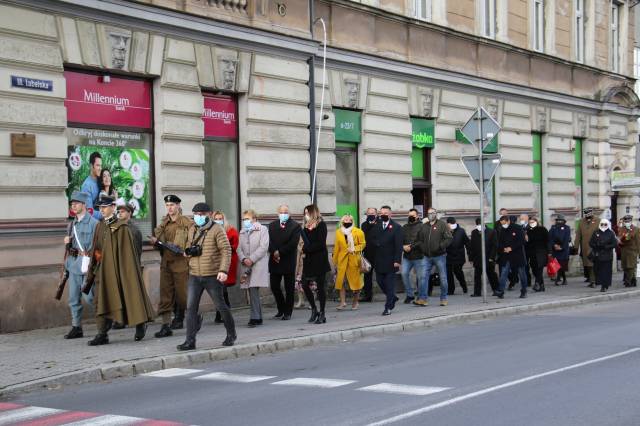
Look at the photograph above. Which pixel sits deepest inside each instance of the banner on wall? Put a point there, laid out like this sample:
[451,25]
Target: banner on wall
[220,117]
[125,155]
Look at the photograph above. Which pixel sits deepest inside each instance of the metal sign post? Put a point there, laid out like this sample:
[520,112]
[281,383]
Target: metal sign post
[480,129]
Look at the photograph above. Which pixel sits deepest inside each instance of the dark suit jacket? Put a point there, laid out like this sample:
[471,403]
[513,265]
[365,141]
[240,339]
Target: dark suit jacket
[512,237]
[475,249]
[316,256]
[370,231]
[388,247]
[285,241]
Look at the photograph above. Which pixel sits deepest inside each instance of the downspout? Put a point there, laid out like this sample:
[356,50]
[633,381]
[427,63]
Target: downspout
[312,112]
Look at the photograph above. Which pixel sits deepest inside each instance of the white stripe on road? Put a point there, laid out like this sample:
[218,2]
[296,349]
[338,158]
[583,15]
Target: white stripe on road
[318,383]
[172,372]
[107,420]
[23,414]
[236,378]
[499,387]
[402,389]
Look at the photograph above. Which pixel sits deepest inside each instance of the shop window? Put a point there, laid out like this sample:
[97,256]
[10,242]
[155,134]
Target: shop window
[109,133]
[348,135]
[422,9]
[221,188]
[488,18]
[537,26]
[422,143]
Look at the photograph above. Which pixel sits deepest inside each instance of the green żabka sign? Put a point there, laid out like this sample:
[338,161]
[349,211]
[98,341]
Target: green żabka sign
[423,133]
[348,126]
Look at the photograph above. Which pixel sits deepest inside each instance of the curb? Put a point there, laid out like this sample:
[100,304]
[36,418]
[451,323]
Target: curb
[120,369]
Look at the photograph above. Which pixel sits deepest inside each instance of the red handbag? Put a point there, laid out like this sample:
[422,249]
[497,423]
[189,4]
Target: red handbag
[553,266]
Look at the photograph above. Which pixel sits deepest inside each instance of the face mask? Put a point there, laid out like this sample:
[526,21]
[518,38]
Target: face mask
[384,218]
[347,225]
[453,226]
[307,218]
[523,223]
[412,219]
[479,228]
[505,225]
[219,222]
[627,225]
[432,216]
[246,223]
[603,226]
[283,217]
[200,220]
[371,218]
[560,222]
[533,225]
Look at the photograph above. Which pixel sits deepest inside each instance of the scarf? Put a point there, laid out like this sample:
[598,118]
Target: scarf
[349,235]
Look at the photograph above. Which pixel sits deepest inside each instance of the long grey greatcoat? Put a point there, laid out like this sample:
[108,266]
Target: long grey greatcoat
[583,236]
[254,245]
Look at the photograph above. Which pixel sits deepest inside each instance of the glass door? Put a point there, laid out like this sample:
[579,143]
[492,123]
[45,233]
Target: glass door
[347,180]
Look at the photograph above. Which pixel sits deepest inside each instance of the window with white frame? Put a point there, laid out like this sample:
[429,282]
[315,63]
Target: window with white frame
[538,25]
[422,9]
[614,36]
[488,18]
[579,17]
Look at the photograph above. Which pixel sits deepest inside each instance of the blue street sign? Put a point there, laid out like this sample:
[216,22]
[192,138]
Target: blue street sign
[31,83]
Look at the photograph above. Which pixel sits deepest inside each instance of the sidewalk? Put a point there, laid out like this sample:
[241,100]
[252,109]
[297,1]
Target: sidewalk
[42,358]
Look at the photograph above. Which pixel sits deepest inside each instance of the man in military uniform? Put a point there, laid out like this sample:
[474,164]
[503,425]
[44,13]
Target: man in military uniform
[120,294]
[174,268]
[586,228]
[629,237]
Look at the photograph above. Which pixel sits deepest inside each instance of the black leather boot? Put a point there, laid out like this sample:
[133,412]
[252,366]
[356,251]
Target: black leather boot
[523,294]
[314,316]
[141,331]
[165,331]
[100,339]
[320,318]
[187,346]
[230,340]
[74,333]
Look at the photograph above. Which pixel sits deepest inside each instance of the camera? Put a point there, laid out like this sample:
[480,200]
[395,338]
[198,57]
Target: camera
[193,251]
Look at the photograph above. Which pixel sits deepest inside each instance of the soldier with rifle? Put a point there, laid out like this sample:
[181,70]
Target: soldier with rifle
[171,236]
[120,294]
[78,246]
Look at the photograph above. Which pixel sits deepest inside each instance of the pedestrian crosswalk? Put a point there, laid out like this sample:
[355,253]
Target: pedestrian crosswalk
[17,414]
[313,382]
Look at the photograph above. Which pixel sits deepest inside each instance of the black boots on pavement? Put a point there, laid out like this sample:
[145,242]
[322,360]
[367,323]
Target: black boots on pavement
[74,333]
[165,331]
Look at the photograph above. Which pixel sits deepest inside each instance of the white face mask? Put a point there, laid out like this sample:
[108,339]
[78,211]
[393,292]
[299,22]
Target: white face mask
[627,225]
[453,226]
[533,225]
[603,227]
[523,222]
[479,228]
[505,225]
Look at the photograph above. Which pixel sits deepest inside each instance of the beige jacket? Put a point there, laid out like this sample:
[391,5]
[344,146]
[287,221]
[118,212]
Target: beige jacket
[216,250]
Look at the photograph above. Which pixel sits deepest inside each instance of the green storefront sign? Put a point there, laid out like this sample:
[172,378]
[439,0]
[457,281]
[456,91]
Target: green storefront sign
[491,148]
[348,125]
[423,133]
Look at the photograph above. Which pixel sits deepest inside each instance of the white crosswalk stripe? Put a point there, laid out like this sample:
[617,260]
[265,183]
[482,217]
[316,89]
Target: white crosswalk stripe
[24,414]
[237,378]
[402,389]
[318,383]
[107,420]
[172,372]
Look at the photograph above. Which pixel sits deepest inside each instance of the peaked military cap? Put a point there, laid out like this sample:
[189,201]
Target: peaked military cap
[627,218]
[105,200]
[172,199]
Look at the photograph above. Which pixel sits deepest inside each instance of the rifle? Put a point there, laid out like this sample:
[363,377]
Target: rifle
[64,274]
[91,278]
[173,248]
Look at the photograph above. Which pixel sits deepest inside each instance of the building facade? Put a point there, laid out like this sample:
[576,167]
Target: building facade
[221,100]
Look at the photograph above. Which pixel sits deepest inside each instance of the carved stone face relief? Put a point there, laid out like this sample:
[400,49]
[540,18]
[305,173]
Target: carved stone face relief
[542,119]
[119,49]
[352,89]
[426,99]
[228,65]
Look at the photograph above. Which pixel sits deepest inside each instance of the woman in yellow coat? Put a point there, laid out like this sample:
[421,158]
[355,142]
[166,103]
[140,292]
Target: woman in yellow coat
[347,250]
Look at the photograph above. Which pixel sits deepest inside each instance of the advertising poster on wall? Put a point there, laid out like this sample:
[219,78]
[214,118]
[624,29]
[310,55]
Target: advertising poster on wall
[125,156]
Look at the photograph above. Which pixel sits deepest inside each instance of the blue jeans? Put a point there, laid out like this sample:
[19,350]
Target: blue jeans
[407,266]
[75,298]
[504,277]
[441,263]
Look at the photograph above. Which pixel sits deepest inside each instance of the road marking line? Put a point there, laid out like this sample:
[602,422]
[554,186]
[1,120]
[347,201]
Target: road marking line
[24,414]
[236,378]
[108,420]
[172,372]
[499,387]
[9,406]
[318,383]
[402,389]
[61,418]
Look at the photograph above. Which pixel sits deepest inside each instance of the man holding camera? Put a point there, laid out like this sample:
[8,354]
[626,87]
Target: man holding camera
[79,242]
[174,268]
[209,254]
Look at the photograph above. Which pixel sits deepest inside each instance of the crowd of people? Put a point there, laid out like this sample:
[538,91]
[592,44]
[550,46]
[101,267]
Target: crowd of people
[207,253]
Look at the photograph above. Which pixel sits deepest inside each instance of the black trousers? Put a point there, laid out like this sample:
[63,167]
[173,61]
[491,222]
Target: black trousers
[457,271]
[492,276]
[603,273]
[320,289]
[387,283]
[284,303]
[367,290]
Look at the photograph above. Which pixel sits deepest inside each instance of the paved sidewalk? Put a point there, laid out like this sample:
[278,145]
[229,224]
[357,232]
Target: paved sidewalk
[37,358]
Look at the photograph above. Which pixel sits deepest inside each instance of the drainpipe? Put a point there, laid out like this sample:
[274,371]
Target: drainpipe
[312,111]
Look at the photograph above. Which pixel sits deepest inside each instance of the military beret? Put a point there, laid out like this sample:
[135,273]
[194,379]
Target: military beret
[201,208]
[587,211]
[172,199]
[627,218]
[105,200]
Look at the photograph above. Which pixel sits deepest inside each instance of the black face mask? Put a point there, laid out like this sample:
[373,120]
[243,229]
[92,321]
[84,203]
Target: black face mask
[384,218]
[412,219]
[371,217]
[347,225]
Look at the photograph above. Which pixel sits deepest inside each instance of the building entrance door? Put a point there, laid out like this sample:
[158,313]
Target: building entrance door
[347,180]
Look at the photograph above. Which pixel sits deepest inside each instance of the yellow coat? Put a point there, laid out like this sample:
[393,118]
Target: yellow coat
[348,264]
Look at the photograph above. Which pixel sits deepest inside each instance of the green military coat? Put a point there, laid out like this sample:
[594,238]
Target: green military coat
[629,246]
[583,236]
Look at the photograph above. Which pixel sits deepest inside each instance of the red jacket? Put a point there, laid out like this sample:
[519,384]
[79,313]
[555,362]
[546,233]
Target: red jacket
[234,240]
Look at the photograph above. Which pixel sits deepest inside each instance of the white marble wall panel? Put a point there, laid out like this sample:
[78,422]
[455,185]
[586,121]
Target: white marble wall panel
[277,159]
[388,88]
[273,134]
[180,51]
[180,76]
[177,175]
[450,97]
[386,125]
[88,36]
[36,53]
[182,151]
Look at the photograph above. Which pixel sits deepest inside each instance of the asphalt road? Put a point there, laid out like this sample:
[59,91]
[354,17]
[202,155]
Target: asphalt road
[571,367]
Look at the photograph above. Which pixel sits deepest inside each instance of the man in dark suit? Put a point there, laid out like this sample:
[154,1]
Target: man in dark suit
[369,227]
[284,234]
[475,256]
[388,256]
[511,255]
